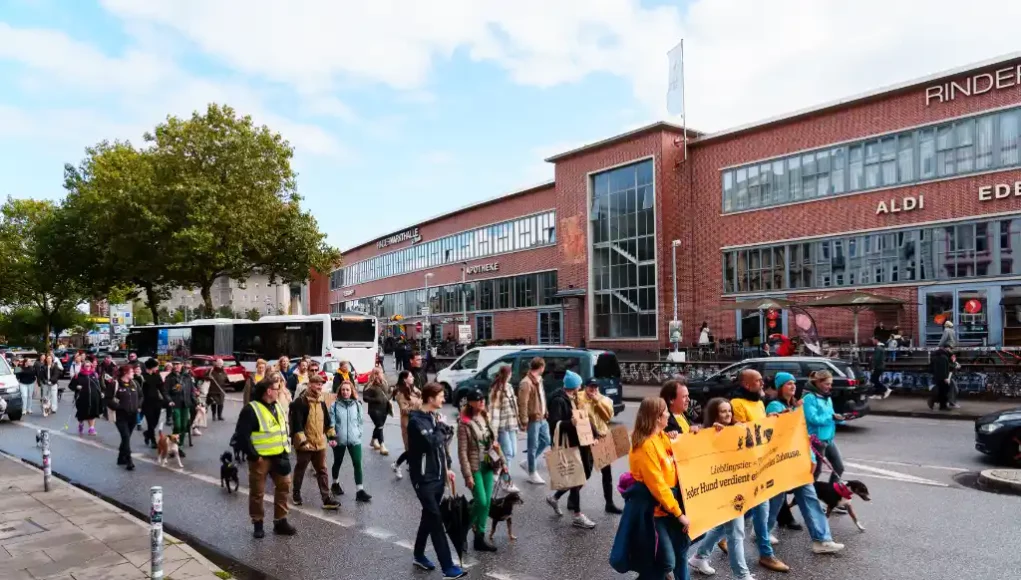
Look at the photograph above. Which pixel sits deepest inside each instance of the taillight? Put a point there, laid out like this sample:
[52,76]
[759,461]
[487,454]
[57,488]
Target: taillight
[852,382]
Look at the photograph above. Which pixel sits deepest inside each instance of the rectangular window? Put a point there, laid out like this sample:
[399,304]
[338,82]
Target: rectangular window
[623,260]
[766,184]
[794,171]
[484,327]
[754,189]
[927,153]
[838,168]
[872,161]
[906,157]
[965,146]
[857,168]
[781,191]
[728,191]
[945,150]
[741,197]
[888,156]
[1010,134]
[984,143]
[809,176]
[504,288]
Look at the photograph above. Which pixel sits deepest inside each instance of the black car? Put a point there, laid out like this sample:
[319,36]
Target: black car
[849,394]
[599,364]
[999,435]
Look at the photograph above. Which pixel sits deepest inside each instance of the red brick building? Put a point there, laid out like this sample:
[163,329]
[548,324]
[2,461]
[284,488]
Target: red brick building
[912,191]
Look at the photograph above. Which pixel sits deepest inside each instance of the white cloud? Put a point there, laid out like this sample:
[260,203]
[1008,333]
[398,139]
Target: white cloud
[746,59]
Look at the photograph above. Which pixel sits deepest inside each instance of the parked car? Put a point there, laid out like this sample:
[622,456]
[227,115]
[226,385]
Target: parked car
[201,365]
[599,364]
[999,435]
[10,391]
[469,363]
[850,393]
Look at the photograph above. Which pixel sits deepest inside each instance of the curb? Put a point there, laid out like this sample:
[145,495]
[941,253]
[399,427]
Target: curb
[1003,480]
[237,569]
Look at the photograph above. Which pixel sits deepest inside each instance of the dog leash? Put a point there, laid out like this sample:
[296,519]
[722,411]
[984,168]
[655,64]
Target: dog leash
[820,454]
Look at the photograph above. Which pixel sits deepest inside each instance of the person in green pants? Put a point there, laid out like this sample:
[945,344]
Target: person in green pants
[347,421]
[181,398]
[480,458]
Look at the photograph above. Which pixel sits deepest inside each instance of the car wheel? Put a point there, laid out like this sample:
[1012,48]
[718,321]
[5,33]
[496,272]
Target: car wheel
[14,416]
[1012,449]
[448,393]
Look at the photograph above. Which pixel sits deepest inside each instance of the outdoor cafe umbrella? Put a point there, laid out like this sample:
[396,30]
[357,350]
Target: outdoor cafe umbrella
[760,304]
[856,302]
[456,516]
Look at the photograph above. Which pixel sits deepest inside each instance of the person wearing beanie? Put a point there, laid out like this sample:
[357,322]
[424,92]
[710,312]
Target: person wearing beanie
[783,399]
[563,404]
[154,398]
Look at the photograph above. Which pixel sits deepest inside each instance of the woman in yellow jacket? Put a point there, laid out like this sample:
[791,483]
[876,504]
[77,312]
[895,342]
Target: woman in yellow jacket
[600,411]
[652,464]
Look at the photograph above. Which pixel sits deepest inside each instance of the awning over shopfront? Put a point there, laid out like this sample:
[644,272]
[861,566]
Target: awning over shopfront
[856,302]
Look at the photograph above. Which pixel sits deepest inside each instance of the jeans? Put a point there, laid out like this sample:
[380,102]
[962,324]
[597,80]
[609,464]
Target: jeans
[508,443]
[734,531]
[27,392]
[356,461]
[760,523]
[483,495]
[538,441]
[672,555]
[832,454]
[377,427]
[431,524]
[811,509]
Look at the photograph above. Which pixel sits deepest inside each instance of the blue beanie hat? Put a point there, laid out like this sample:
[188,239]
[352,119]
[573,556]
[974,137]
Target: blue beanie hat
[572,380]
[782,378]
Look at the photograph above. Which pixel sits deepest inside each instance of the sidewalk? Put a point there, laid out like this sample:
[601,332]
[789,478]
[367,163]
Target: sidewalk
[895,405]
[67,534]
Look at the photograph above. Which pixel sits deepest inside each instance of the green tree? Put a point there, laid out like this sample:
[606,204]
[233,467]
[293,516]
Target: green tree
[225,311]
[115,227]
[231,201]
[30,271]
[141,314]
[253,314]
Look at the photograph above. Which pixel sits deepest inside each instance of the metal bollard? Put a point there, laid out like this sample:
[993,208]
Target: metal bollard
[44,437]
[156,531]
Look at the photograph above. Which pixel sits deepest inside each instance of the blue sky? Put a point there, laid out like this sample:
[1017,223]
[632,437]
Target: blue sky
[400,110]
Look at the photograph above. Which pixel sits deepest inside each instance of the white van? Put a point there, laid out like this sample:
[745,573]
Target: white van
[470,362]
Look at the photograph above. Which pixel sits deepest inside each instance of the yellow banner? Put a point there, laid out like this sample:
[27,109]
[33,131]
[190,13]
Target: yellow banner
[724,474]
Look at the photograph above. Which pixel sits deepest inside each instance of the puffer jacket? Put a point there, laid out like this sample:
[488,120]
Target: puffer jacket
[347,421]
[819,415]
[123,398]
[428,459]
[474,441]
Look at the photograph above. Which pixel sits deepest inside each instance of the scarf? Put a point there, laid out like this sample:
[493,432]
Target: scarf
[743,393]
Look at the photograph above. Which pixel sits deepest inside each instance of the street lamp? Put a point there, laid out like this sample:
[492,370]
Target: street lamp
[674,245]
[675,325]
[428,305]
[464,293]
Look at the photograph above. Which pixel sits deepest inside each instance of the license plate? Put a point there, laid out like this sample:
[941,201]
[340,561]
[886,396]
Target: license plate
[235,378]
[862,398]
[611,391]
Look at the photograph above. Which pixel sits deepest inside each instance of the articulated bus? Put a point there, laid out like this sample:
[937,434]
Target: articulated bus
[341,337]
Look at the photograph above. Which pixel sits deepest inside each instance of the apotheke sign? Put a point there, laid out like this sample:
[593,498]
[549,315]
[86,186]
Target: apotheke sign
[404,236]
[348,293]
[974,85]
[999,191]
[480,268]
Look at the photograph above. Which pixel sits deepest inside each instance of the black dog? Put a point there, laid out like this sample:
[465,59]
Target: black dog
[502,510]
[836,495]
[228,472]
[239,453]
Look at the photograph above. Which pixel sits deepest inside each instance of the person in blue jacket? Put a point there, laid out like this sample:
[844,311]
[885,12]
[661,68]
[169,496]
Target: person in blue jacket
[822,420]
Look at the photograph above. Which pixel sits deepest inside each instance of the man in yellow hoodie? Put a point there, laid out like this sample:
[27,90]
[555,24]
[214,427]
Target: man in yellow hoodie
[748,407]
[600,411]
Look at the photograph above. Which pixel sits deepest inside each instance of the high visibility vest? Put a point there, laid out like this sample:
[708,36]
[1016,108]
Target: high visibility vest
[271,438]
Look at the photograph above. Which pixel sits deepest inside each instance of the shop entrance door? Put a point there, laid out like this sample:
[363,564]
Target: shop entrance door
[974,309]
[551,327]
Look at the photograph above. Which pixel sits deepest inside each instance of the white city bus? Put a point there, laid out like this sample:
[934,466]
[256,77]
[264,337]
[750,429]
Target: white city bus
[350,337]
[344,337]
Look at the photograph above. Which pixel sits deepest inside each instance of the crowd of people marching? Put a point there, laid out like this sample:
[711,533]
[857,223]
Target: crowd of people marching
[287,410]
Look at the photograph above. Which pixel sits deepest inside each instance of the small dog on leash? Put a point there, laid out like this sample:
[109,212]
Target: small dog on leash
[839,495]
[239,453]
[166,447]
[200,420]
[228,471]
[502,510]
[47,407]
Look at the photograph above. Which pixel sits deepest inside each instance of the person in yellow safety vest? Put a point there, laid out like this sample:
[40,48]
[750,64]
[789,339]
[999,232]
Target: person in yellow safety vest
[261,432]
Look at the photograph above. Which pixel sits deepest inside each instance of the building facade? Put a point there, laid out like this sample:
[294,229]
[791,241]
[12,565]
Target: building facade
[255,292]
[912,191]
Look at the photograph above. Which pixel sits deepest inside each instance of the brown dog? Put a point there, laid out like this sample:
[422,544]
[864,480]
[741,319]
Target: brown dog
[502,510]
[166,447]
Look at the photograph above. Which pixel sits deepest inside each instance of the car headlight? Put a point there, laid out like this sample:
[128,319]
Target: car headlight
[990,427]
[11,390]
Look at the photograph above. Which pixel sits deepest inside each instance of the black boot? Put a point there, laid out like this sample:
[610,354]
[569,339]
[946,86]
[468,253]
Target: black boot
[481,545]
[362,496]
[259,532]
[611,508]
[296,499]
[335,489]
[283,528]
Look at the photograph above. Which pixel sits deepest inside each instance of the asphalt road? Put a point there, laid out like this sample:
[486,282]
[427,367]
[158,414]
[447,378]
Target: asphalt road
[920,524]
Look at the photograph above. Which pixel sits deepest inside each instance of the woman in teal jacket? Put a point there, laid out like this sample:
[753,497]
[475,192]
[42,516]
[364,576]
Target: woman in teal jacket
[822,421]
[347,421]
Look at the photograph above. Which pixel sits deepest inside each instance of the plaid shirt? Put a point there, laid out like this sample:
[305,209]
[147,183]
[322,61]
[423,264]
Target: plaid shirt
[504,416]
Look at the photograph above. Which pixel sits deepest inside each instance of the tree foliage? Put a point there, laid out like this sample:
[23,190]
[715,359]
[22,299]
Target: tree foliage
[232,202]
[253,314]
[30,247]
[26,325]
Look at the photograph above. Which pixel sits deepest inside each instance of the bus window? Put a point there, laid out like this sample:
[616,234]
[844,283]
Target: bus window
[142,341]
[202,340]
[353,329]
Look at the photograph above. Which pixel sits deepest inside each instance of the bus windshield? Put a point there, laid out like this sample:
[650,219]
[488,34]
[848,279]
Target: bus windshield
[346,330]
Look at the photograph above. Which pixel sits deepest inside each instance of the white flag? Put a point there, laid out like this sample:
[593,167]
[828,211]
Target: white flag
[675,87]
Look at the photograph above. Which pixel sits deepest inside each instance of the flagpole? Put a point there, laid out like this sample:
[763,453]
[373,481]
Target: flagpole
[684,106]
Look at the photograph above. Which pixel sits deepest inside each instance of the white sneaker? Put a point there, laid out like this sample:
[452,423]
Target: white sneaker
[582,521]
[551,500]
[701,565]
[524,464]
[511,488]
[887,392]
[534,478]
[397,471]
[828,547]
[773,540]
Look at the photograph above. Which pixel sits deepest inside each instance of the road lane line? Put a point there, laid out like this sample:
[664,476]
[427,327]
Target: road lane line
[905,464]
[877,476]
[905,477]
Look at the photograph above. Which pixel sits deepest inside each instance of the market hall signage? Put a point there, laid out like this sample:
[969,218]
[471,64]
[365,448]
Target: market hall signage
[999,191]
[974,85]
[404,236]
[480,268]
[906,203]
